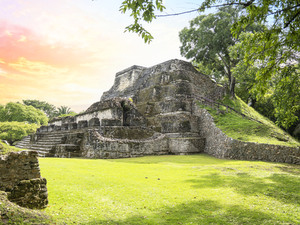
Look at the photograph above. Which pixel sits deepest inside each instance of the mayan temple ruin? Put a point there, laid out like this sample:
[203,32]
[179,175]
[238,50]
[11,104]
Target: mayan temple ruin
[150,111]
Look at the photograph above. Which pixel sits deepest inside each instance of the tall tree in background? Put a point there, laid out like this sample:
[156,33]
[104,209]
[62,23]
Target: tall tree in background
[207,42]
[64,111]
[22,113]
[49,109]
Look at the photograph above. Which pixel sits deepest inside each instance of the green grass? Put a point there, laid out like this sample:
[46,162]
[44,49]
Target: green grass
[4,148]
[242,128]
[196,189]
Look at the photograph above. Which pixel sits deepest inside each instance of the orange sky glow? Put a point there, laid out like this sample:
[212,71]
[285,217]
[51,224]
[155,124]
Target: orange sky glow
[66,52]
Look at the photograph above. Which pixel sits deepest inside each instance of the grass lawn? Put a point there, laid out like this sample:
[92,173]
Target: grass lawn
[196,189]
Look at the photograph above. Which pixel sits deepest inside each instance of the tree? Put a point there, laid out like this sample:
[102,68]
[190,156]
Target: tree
[22,113]
[15,131]
[284,13]
[280,100]
[141,10]
[207,41]
[63,110]
[49,109]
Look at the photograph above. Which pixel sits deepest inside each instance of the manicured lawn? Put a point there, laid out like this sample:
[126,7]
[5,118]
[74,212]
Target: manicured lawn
[194,189]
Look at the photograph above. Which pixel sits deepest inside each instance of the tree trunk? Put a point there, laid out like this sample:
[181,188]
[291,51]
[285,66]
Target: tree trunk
[232,86]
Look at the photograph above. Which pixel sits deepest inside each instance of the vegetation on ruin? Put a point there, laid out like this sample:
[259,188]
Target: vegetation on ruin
[194,189]
[11,213]
[4,148]
[252,127]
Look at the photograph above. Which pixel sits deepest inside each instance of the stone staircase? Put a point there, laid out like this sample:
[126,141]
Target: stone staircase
[45,143]
[24,143]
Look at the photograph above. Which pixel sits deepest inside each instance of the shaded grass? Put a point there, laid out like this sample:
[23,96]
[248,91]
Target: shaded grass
[260,129]
[196,189]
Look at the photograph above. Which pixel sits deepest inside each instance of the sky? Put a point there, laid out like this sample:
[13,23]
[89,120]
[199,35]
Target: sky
[67,52]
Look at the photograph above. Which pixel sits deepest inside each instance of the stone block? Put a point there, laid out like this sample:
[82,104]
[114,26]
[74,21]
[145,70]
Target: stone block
[57,128]
[72,126]
[94,122]
[111,122]
[65,126]
[30,193]
[82,124]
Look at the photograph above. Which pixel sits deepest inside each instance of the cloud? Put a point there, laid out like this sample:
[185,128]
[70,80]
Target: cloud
[35,68]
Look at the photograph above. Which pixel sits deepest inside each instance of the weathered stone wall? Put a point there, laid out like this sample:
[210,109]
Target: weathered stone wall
[20,175]
[220,145]
[97,146]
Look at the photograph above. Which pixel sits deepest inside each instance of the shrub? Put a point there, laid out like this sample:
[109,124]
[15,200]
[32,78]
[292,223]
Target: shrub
[19,112]
[15,131]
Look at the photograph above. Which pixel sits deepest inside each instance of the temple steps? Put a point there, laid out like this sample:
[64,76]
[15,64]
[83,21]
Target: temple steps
[24,143]
[44,144]
[48,143]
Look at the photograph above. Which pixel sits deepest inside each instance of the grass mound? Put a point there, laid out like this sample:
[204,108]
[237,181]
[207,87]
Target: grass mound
[195,189]
[11,213]
[253,127]
[4,148]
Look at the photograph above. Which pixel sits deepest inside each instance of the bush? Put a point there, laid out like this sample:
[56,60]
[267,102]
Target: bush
[15,131]
[4,148]
[20,113]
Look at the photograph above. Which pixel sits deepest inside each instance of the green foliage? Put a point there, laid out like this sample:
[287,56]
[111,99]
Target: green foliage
[141,10]
[20,113]
[63,110]
[15,131]
[49,109]
[282,83]
[208,42]
[194,189]
[275,49]
[208,38]
[4,148]
[69,114]
[259,129]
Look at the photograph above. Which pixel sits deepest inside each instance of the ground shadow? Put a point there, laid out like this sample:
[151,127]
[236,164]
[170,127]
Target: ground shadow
[282,187]
[200,212]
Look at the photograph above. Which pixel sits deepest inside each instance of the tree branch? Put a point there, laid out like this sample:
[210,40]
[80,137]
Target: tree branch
[244,4]
[177,14]
[291,20]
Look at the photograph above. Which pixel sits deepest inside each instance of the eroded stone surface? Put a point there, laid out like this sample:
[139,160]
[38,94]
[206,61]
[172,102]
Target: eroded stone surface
[20,175]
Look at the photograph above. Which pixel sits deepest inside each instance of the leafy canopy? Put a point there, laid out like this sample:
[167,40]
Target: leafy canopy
[141,10]
[49,109]
[22,113]
[15,131]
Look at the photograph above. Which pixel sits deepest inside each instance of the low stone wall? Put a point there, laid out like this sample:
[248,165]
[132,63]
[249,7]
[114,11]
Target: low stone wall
[30,193]
[263,152]
[220,145]
[20,175]
[97,146]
